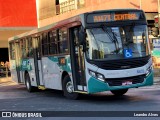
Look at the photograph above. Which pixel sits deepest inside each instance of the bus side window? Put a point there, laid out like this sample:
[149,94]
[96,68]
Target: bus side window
[63,41]
[12,50]
[44,44]
[23,48]
[29,47]
[52,42]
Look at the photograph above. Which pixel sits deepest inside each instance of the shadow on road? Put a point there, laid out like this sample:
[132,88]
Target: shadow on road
[10,87]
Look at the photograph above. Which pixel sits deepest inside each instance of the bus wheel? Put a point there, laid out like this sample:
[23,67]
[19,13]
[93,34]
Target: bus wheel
[28,83]
[68,88]
[119,92]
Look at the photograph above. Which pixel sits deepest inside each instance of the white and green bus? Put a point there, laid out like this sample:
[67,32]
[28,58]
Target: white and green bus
[92,52]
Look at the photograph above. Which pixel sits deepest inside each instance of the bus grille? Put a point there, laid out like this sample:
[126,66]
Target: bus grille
[122,64]
[119,81]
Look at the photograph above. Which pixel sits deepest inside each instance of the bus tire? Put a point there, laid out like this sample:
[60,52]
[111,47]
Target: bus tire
[28,83]
[119,92]
[68,88]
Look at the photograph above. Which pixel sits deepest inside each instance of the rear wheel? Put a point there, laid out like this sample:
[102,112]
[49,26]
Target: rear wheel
[68,88]
[28,83]
[119,92]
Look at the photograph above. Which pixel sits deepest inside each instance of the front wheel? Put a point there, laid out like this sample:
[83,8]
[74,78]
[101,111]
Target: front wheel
[119,92]
[68,88]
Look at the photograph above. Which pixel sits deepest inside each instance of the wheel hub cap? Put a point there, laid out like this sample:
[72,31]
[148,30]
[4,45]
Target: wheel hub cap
[69,87]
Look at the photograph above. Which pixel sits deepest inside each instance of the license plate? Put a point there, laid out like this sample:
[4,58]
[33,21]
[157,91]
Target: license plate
[127,83]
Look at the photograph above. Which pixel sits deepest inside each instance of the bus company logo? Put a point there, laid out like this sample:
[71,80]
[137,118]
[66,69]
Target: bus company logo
[140,71]
[6,114]
[125,67]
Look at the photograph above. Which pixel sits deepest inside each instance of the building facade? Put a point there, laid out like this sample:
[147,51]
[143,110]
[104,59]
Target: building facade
[62,9]
[16,17]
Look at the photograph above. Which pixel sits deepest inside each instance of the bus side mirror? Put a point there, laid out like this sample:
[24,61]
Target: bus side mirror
[87,44]
[81,37]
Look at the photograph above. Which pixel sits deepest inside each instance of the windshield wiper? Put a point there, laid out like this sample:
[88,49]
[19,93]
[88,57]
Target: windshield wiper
[95,39]
[112,37]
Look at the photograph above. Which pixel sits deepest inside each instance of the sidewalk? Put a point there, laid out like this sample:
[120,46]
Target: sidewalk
[156,75]
[5,81]
[157,80]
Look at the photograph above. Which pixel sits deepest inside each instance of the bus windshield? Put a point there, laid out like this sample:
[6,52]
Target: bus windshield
[117,42]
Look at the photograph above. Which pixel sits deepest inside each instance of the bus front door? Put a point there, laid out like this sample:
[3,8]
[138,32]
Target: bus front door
[77,61]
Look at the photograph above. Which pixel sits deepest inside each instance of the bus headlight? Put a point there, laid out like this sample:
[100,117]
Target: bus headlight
[93,74]
[100,77]
[149,70]
[97,75]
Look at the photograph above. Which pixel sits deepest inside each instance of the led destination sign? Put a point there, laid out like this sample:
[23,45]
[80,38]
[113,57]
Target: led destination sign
[103,18]
[108,17]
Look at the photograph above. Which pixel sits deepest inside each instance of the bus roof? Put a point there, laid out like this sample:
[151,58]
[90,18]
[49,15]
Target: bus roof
[65,21]
[38,30]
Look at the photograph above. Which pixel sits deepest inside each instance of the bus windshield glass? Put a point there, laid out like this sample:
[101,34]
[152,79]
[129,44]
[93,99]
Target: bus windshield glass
[117,42]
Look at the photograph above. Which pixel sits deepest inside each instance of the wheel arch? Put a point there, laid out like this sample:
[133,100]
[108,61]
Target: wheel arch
[65,73]
[25,72]
[65,80]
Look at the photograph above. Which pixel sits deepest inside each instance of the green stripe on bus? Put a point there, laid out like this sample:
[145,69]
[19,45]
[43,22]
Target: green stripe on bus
[65,67]
[26,65]
[95,85]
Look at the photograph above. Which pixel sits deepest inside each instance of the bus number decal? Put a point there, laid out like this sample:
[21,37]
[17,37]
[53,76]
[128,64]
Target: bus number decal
[140,71]
[62,61]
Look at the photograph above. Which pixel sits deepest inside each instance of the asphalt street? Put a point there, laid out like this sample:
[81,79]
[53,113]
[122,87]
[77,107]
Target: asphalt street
[14,97]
